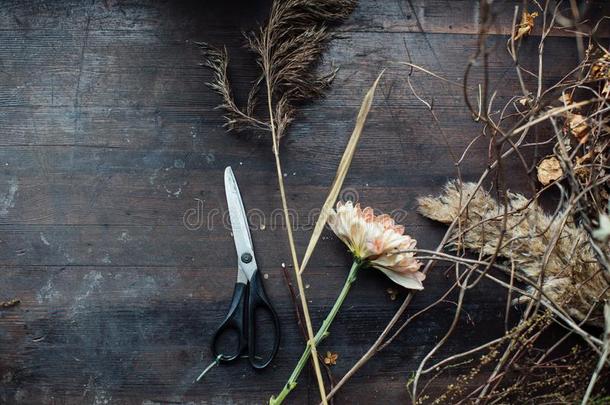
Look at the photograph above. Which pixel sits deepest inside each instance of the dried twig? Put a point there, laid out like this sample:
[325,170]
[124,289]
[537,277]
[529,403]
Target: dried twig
[566,270]
[602,358]
[10,303]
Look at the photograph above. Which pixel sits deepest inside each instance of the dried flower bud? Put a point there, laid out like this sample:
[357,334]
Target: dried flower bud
[578,127]
[331,358]
[549,170]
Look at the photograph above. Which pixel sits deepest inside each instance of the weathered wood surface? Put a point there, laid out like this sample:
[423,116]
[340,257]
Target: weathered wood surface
[109,137]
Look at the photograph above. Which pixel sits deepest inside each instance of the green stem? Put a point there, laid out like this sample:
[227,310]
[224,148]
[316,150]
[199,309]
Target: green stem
[320,335]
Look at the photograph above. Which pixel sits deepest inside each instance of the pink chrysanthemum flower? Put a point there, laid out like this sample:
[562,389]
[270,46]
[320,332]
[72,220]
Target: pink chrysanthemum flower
[378,241]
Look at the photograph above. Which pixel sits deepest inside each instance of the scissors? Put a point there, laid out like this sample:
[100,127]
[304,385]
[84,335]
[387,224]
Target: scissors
[248,296]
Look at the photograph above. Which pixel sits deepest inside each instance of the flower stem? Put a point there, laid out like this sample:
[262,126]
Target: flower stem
[275,136]
[320,335]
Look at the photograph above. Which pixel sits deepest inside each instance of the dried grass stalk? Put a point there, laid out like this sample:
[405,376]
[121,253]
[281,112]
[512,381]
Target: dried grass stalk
[344,165]
[288,48]
[572,278]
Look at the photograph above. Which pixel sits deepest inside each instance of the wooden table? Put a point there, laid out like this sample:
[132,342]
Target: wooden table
[110,142]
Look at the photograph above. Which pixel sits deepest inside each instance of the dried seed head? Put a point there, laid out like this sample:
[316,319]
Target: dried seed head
[573,276]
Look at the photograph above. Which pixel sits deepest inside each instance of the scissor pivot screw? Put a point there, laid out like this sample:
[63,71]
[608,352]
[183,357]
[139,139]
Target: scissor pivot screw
[246,258]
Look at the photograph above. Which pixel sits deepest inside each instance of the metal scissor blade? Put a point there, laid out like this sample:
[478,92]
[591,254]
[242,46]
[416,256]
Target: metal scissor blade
[239,225]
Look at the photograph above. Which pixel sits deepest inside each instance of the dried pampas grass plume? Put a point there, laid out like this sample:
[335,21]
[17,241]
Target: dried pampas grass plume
[573,277]
[287,48]
[217,60]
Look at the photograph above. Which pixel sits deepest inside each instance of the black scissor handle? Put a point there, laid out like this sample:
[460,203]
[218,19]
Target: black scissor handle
[234,321]
[257,299]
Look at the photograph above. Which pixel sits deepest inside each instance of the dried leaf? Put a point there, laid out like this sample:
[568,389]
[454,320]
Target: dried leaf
[346,161]
[599,69]
[526,25]
[580,160]
[331,358]
[606,89]
[578,127]
[549,170]
[580,170]
[566,98]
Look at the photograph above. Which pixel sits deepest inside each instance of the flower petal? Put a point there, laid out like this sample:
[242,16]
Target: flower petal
[407,280]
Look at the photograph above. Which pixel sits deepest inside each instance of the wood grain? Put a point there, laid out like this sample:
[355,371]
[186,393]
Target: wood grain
[110,142]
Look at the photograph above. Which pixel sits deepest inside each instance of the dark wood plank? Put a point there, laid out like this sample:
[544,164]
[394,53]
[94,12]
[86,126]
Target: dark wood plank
[430,16]
[110,141]
[133,333]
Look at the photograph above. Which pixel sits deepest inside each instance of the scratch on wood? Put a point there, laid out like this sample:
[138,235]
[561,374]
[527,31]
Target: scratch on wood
[476,11]
[124,237]
[92,281]
[102,398]
[418,19]
[47,293]
[44,240]
[8,200]
[81,62]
